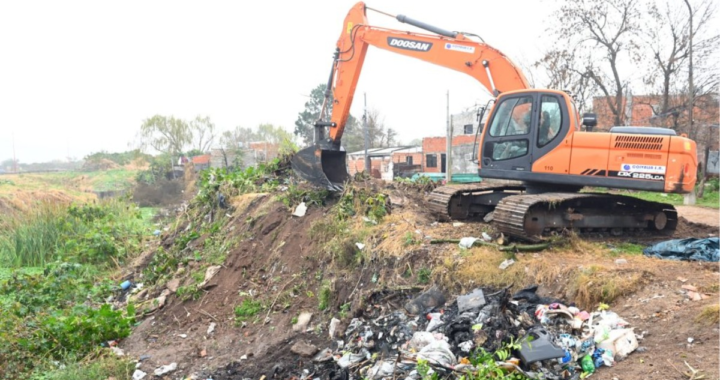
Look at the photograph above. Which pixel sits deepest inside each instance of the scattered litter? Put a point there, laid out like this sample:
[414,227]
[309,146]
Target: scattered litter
[686,249]
[438,352]
[488,217]
[156,232]
[458,224]
[689,287]
[467,242]
[211,328]
[210,272]
[302,322]
[360,246]
[555,341]
[203,353]
[536,346]
[118,351]
[182,335]
[125,285]
[505,264]
[486,237]
[368,220]
[333,327]
[471,301]
[166,369]
[690,340]
[620,262]
[300,210]
[323,356]
[430,299]
[138,375]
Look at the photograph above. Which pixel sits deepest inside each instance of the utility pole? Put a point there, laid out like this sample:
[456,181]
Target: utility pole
[14,159]
[689,199]
[367,137]
[691,86]
[448,144]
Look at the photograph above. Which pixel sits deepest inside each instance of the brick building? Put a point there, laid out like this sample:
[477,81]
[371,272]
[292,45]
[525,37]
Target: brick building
[387,163]
[464,129]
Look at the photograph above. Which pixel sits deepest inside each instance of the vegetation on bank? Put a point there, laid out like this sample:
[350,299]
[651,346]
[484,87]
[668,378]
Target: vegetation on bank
[56,292]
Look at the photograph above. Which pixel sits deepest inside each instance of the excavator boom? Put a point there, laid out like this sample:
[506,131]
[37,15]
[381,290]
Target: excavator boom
[324,162]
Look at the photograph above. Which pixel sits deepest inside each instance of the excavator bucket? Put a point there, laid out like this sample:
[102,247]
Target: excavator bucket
[321,167]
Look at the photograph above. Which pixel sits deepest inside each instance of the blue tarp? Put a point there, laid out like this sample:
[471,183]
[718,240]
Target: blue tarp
[686,249]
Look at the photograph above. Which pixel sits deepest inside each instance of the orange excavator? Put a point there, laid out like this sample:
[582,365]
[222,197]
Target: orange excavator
[533,137]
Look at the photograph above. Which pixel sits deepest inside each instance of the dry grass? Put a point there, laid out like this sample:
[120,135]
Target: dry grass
[709,315]
[600,283]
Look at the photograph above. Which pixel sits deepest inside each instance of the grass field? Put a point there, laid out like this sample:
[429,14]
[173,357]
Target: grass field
[71,181]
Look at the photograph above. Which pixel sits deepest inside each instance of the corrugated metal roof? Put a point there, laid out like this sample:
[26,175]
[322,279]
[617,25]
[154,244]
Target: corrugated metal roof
[375,152]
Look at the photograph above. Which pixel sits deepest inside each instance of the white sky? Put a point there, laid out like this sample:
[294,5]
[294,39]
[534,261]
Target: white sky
[78,77]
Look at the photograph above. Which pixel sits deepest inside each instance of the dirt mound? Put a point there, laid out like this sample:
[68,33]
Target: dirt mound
[274,266]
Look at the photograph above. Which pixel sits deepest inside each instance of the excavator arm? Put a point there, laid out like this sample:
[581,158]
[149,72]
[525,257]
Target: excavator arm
[324,163]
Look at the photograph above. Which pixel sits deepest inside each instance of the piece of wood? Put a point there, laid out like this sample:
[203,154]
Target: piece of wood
[509,248]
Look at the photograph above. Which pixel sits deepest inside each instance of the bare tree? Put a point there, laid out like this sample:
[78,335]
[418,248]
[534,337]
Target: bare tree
[603,33]
[671,46]
[564,71]
[203,131]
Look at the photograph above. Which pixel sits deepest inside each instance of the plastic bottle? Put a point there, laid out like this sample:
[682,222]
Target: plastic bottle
[587,364]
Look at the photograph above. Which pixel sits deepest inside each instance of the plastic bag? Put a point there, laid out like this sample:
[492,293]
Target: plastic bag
[438,353]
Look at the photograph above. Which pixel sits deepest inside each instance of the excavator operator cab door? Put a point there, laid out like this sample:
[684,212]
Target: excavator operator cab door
[524,126]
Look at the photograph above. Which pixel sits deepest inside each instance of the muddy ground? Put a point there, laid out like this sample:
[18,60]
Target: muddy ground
[282,261]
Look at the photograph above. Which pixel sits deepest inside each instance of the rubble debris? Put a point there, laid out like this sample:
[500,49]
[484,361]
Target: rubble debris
[211,328]
[303,348]
[686,249]
[302,322]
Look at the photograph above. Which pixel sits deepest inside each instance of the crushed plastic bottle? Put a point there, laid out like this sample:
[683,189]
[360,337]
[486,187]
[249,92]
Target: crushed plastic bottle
[587,364]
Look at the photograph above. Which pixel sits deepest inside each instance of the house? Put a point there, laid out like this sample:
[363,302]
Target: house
[387,163]
[201,162]
[464,130]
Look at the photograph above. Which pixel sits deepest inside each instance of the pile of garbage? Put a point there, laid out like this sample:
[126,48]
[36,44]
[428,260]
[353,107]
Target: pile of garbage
[521,335]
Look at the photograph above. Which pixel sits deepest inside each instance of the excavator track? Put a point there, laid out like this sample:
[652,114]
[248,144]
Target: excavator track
[465,201]
[532,216]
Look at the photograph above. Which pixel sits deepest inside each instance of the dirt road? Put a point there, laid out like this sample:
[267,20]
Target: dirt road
[703,215]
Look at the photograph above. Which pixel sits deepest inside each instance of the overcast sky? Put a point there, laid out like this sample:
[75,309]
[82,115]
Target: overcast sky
[80,76]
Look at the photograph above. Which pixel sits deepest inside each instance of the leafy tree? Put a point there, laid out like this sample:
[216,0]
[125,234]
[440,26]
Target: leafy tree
[165,134]
[305,123]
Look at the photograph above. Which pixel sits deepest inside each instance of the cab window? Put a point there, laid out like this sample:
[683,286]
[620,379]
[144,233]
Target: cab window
[550,120]
[512,117]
